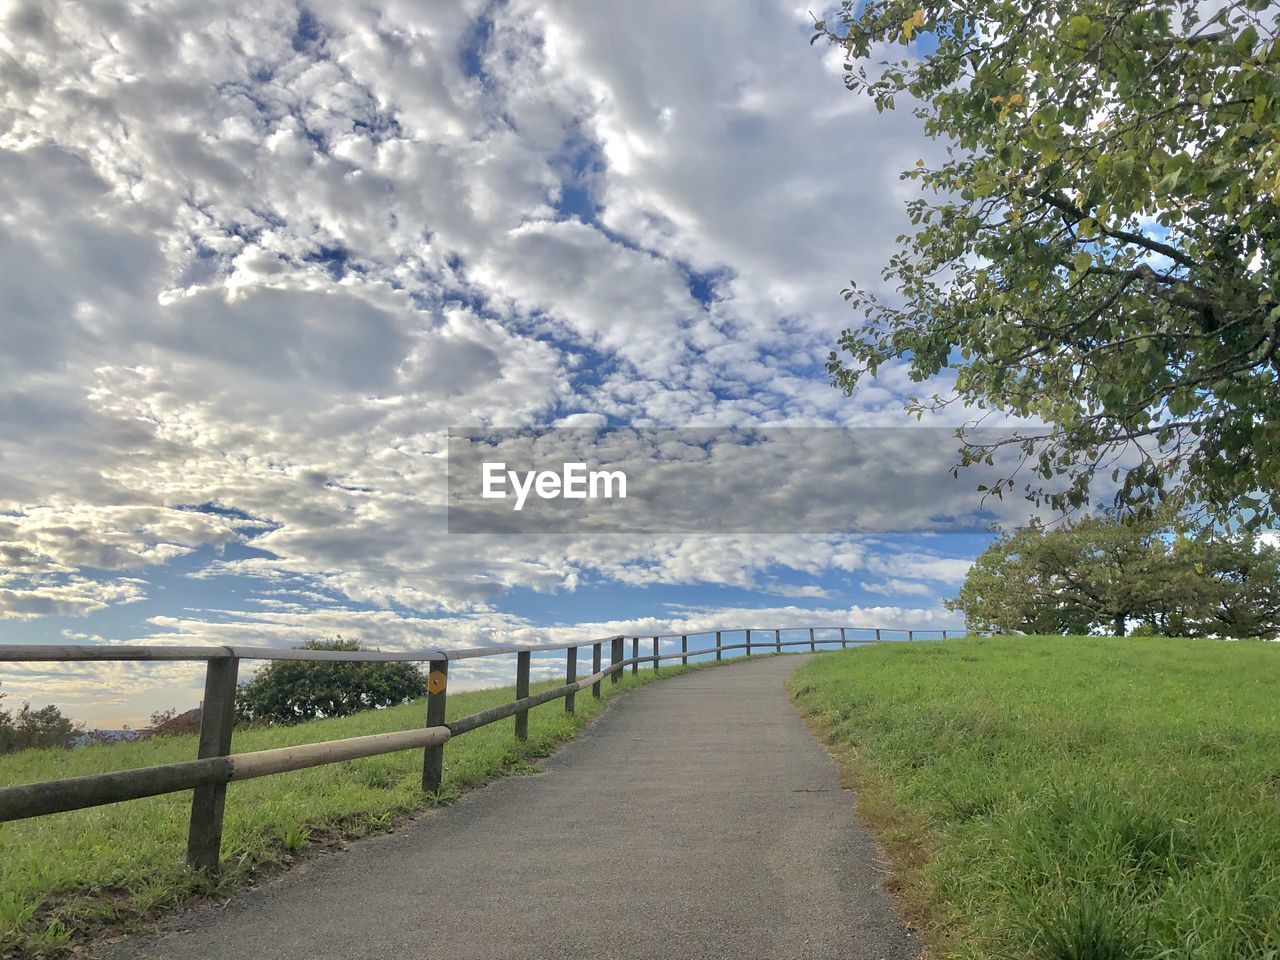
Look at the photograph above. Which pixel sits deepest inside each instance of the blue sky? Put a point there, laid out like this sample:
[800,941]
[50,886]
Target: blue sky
[261,259]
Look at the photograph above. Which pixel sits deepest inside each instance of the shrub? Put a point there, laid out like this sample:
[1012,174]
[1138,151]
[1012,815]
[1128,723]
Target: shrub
[291,691]
[33,729]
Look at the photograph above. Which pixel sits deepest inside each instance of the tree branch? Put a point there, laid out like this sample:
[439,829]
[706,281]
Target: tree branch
[1155,246]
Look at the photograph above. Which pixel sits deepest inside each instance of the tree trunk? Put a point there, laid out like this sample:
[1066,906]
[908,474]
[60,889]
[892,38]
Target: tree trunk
[1120,624]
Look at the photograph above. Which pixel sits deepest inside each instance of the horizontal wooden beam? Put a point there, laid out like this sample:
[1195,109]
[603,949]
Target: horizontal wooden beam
[56,796]
[25,653]
[262,763]
[31,653]
[37,652]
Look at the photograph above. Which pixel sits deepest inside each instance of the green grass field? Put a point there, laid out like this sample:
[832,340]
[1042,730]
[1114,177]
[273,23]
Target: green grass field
[66,877]
[1084,798]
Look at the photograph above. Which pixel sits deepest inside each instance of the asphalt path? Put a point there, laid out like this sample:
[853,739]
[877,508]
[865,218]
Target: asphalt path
[697,817]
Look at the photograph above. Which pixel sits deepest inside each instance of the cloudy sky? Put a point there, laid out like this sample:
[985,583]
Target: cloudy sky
[255,260]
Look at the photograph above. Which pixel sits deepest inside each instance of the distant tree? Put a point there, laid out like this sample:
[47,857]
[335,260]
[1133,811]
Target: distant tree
[291,691]
[1007,589]
[1096,246]
[1101,575]
[1076,578]
[34,729]
[161,717]
[1240,596]
[171,723]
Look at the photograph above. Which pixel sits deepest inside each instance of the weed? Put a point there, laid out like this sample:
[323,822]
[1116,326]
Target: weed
[294,837]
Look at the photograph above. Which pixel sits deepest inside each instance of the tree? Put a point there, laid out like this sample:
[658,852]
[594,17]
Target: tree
[291,691]
[1101,575]
[1006,590]
[1076,578]
[1241,593]
[34,729]
[171,723]
[1099,249]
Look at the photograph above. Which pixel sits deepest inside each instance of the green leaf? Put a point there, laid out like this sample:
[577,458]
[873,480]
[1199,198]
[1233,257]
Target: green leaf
[1117,135]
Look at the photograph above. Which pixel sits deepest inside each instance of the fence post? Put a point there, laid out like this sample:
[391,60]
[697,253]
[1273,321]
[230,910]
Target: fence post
[655,653]
[877,634]
[718,652]
[437,690]
[812,646]
[615,657]
[944,634]
[748,643]
[843,643]
[595,668]
[911,634]
[777,641]
[570,676]
[684,650]
[635,655]
[217,716]
[522,690]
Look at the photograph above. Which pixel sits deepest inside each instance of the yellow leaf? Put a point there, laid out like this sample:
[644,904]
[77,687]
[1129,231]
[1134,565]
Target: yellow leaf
[913,23]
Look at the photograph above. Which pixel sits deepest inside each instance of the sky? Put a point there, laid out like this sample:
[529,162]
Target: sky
[257,259]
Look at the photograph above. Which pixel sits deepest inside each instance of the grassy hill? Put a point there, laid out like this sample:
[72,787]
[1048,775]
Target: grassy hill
[67,876]
[1068,797]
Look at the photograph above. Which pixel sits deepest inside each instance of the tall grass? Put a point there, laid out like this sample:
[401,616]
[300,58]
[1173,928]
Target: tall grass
[1068,798]
[68,876]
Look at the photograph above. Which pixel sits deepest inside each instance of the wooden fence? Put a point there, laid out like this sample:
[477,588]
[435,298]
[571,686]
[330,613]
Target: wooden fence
[216,766]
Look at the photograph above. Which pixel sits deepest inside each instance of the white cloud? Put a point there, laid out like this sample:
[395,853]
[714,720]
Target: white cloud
[913,565]
[31,597]
[256,260]
[896,587]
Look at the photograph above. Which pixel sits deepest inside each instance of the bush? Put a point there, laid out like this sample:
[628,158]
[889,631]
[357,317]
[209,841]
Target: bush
[34,729]
[291,691]
[171,723]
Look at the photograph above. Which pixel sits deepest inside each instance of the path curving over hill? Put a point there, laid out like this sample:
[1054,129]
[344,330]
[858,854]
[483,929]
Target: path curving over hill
[698,818]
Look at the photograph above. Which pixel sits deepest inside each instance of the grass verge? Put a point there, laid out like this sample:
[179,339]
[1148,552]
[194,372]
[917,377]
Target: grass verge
[87,874]
[1076,798]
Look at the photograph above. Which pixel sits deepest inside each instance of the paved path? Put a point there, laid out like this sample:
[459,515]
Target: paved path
[697,818]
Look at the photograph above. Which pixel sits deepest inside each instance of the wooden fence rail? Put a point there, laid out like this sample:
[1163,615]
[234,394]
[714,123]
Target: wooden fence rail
[216,766]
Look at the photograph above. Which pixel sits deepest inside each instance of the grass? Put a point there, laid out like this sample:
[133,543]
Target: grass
[72,876]
[1068,798]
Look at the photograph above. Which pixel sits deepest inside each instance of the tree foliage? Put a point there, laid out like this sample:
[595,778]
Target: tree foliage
[1101,575]
[291,691]
[172,723]
[1240,594]
[34,729]
[1099,248]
